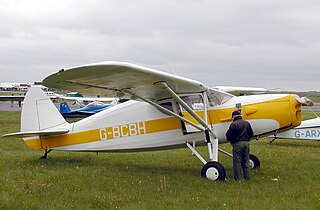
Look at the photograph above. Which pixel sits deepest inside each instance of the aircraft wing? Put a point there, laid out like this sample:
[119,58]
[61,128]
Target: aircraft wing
[87,112]
[77,114]
[238,91]
[88,99]
[112,78]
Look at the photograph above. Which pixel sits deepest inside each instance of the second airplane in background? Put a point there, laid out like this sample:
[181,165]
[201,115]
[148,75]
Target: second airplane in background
[90,109]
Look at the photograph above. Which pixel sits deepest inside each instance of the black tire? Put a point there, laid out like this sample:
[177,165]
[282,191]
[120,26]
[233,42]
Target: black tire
[43,158]
[213,171]
[254,161]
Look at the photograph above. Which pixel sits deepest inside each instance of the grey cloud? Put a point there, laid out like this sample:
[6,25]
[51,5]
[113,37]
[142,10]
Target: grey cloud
[265,43]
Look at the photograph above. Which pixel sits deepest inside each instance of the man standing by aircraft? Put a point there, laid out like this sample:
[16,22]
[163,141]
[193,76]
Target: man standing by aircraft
[239,134]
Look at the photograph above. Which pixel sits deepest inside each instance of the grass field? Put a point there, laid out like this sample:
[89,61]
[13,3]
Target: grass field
[288,178]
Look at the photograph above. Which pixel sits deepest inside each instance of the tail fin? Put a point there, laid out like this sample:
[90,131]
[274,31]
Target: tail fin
[39,113]
[64,108]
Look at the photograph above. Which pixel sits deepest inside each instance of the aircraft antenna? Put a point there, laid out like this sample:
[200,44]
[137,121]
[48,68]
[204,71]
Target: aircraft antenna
[173,71]
[313,112]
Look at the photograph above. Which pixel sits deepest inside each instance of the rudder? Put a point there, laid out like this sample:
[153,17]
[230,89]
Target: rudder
[38,112]
[64,108]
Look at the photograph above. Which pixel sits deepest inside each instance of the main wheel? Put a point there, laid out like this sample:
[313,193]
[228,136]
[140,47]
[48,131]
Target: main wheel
[213,171]
[254,161]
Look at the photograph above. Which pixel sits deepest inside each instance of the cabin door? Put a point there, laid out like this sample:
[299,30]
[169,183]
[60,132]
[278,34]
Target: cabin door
[196,103]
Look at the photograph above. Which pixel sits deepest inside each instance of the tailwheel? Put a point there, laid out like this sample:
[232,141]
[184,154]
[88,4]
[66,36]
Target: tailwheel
[46,152]
[213,171]
[254,161]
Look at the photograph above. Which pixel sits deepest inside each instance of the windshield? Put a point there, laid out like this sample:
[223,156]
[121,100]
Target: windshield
[216,97]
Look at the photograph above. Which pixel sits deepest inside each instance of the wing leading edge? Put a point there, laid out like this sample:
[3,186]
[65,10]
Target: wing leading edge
[114,78]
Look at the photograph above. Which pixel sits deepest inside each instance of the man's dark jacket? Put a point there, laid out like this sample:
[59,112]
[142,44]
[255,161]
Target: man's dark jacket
[239,130]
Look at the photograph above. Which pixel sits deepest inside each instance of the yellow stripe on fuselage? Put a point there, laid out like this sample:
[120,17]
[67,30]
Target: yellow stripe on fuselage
[114,132]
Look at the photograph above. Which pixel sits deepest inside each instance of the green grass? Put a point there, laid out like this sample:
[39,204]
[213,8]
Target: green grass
[288,178]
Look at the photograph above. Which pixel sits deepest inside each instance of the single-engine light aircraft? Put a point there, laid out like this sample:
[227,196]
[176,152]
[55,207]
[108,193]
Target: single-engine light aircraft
[165,111]
[83,101]
[90,109]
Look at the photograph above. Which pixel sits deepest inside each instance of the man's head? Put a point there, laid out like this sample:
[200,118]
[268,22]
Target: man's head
[235,114]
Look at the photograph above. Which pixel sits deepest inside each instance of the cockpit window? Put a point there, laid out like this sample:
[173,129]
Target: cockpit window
[216,97]
[195,102]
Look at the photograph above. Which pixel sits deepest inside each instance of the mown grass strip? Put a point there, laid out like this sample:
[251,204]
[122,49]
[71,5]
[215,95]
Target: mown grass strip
[288,178]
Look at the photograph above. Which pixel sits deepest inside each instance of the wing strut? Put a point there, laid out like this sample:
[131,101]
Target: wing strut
[212,170]
[187,108]
[164,109]
[210,137]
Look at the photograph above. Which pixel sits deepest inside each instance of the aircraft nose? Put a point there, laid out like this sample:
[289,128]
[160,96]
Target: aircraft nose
[295,107]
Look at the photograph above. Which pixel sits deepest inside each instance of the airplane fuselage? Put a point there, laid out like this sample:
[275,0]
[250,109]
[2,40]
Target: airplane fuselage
[136,126]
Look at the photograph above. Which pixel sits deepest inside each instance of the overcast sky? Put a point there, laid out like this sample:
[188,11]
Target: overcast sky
[265,43]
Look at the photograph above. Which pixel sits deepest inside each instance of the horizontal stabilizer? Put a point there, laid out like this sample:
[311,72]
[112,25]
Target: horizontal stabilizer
[38,133]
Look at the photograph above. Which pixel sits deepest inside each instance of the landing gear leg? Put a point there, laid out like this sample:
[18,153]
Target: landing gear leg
[194,146]
[275,137]
[212,170]
[46,152]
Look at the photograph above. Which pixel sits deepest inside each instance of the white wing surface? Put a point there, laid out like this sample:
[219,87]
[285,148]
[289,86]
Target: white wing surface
[113,78]
[242,90]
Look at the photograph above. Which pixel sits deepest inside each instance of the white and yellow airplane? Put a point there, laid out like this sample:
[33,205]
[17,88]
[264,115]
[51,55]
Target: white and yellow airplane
[165,111]
[307,130]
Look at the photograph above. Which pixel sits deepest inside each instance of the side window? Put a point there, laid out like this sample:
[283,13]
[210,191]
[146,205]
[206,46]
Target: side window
[195,102]
[167,105]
